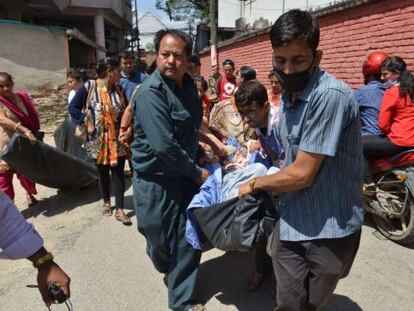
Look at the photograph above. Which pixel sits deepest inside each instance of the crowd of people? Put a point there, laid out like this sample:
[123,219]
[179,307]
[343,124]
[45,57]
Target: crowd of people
[312,138]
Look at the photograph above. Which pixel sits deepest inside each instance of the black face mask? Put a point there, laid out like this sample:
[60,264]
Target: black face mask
[294,82]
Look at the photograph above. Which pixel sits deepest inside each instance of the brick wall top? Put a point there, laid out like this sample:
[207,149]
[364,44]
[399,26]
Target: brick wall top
[332,9]
[347,37]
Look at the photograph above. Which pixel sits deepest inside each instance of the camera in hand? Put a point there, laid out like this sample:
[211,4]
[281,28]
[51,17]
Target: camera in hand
[56,293]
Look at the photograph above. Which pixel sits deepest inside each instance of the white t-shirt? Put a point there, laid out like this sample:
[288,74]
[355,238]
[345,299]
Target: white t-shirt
[71,95]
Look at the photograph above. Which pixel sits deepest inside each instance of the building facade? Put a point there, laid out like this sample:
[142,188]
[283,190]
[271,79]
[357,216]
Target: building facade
[349,32]
[93,29]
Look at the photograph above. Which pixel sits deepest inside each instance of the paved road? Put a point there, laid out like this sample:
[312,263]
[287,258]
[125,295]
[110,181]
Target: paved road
[111,272]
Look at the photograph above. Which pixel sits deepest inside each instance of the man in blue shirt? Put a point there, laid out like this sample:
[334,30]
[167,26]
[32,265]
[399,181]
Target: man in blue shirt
[320,182]
[370,95]
[130,77]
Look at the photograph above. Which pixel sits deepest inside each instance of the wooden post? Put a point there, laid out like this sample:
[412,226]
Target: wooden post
[213,32]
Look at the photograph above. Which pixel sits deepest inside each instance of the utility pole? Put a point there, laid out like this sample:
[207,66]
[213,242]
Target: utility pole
[283,6]
[137,33]
[213,32]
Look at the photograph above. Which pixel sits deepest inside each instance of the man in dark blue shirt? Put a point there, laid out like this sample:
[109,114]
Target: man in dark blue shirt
[167,117]
[130,77]
[370,95]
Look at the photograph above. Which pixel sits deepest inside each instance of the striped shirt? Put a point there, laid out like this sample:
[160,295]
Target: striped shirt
[323,120]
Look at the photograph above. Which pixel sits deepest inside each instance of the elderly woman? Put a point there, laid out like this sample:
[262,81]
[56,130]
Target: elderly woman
[17,115]
[107,104]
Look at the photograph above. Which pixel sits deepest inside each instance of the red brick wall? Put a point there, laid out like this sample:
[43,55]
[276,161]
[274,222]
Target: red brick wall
[346,39]
[255,52]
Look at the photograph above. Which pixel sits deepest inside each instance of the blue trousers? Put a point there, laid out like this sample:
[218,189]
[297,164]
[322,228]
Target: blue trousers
[160,205]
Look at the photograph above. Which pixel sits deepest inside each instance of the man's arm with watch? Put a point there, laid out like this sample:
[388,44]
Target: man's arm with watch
[19,239]
[300,174]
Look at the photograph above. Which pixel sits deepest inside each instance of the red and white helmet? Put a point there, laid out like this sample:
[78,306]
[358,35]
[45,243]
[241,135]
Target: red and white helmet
[372,64]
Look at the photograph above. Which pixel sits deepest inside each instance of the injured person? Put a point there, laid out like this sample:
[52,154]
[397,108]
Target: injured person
[217,217]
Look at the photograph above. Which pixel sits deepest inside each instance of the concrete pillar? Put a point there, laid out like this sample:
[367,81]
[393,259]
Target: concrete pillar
[99,33]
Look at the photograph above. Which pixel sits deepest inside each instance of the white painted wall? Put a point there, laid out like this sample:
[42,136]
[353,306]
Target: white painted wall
[229,10]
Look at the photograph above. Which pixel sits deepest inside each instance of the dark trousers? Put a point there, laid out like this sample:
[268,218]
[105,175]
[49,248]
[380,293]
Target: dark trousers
[130,165]
[307,272]
[160,206]
[263,260]
[104,179]
[377,147]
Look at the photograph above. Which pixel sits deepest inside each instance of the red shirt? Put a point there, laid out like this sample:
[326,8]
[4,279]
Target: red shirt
[226,88]
[396,118]
[206,104]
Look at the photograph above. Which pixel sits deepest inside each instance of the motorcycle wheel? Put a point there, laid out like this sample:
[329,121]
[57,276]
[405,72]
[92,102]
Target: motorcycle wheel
[399,229]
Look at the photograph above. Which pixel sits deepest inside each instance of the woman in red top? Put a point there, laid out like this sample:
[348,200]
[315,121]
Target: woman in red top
[396,121]
[396,118]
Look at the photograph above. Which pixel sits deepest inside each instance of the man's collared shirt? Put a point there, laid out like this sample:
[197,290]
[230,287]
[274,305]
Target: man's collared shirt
[323,120]
[369,98]
[128,83]
[166,124]
[270,141]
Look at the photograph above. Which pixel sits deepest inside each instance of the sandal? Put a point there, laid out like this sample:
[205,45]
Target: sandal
[32,201]
[106,209]
[120,216]
[198,307]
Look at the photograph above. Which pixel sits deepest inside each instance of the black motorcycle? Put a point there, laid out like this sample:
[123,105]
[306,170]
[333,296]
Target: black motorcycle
[391,199]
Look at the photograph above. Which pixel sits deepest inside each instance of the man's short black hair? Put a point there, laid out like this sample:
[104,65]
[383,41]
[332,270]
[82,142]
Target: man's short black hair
[125,55]
[272,73]
[203,82]
[194,59]
[247,73]
[250,92]
[295,25]
[228,62]
[188,43]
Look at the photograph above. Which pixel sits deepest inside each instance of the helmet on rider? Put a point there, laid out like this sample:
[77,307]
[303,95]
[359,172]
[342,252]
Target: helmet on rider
[372,65]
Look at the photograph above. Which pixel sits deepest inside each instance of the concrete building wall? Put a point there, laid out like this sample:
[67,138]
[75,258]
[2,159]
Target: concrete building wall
[347,37]
[36,57]
[121,7]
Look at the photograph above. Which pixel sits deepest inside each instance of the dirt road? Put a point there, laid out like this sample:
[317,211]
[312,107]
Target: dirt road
[110,270]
